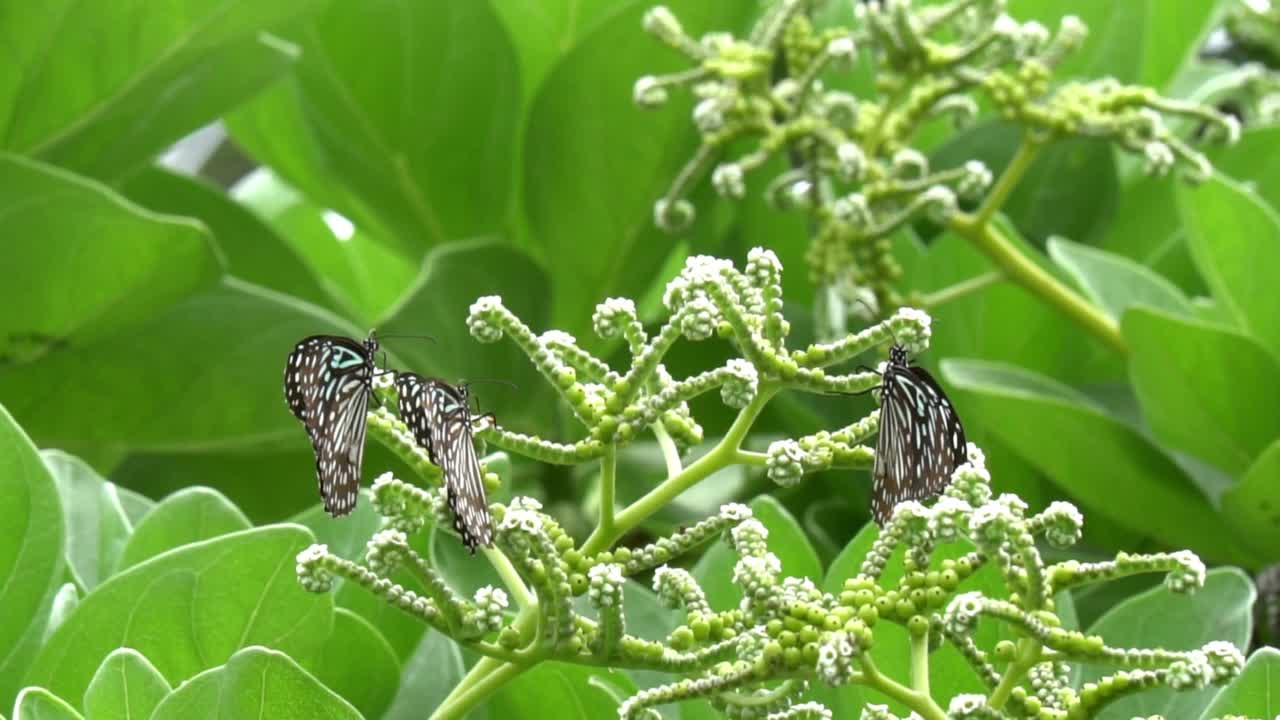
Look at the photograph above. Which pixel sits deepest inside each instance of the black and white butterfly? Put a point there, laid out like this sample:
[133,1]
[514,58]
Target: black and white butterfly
[921,441]
[327,382]
[439,415]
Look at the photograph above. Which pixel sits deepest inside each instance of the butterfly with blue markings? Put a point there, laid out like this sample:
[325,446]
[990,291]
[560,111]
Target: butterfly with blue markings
[327,383]
[439,415]
[921,440]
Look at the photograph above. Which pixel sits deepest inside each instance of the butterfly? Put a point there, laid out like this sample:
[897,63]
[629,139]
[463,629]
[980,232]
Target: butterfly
[921,441]
[439,415]
[327,383]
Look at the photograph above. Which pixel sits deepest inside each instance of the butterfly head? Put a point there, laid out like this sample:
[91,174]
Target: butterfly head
[898,354]
[371,343]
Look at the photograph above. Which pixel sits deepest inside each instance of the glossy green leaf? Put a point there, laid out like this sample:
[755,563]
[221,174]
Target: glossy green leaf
[1222,610]
[205,374]
[595,163]
[360,274]
[1147,229]
[1235,239]
[1254,507]
[36,703]
[31,552]
[1092,456]
[1255,693]
[1189,377]
[1172,39]
[1252,161]
[544,32]
[187,516]
[255,683]
[368,124]
[548,685]
[451,279]
[358,664]
[82,263]
[65,602]
[252,250]
[714,570]
[126,687]
[100,88]
[429,675]
[190,609]
[97,527]
[1115,283]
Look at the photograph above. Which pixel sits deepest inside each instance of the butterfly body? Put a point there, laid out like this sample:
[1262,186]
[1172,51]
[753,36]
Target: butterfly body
[439,415]
[327,383]
[921,439]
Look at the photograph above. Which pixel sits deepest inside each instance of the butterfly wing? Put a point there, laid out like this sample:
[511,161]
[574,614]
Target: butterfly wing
[920,443]
[326,385]
[455,452]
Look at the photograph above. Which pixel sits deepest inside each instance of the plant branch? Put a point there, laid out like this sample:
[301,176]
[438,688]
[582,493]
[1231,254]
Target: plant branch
[920,664]
[961,289]
[1009,179]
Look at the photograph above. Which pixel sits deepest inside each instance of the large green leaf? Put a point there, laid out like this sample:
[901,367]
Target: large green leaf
[1252,161]
[126,687]
[595,163]
[1189,377]
[1116,283]
[37,703]
[1235,239]
[252,250]
[358,664]
[191,609]
[594,693]
[714,570]
[31,552]
[429,675]
[1222,610]
[543,32]
[205,374]
[1172,39]
[369,123]
[97,526]
[1093,456]
[1146,228]
[1255,693]
[187,516]
[82,263]
[255,683]
[100,87]
[1254,507]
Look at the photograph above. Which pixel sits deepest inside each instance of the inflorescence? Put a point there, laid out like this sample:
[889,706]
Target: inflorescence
[760,657]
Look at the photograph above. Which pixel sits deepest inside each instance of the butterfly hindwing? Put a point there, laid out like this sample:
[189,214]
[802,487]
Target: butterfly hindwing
[327,382]
[921,440]
[439,416]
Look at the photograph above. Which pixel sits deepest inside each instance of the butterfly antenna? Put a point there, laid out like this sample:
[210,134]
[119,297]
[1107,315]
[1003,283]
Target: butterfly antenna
[407,337]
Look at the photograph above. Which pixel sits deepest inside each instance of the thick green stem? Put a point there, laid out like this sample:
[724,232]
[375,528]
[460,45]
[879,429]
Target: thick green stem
[922,704]
[458,704]
[920,664]
[1028,655]
[509,576]
[1004,187]
[608,484]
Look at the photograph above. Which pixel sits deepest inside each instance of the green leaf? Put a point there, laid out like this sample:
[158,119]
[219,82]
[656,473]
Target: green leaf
[101,88]
[1146,228]
[368,124]
[1115,283]
[187,516]
[1096,458]
[252,250]
[190,609]
[452,278]
[595,163]
[1235,240]
[544,32]
[1160,618]
[255,683]
[714,570]
[97,527]
[83,263]
[358,272]
[31,553]
[65,602]
[1253,507]
[1111,49]
[949,672]
[547,686]
[1189,377]
[1255,693]
[429,675]
[1172,39]
[358,664]
[36,703]
[1252,161]
[126,687]
[204,374]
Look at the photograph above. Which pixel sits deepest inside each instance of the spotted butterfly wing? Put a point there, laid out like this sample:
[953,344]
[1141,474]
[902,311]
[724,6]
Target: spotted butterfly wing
[921,440]
[327,381]
[439,415]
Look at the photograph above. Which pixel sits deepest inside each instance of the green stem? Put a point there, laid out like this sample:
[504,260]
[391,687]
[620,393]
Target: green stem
[1004,187]
[458,704]
[1028,656]
[961,289]
[1024,271]
[920,703]
[510,578]
[608,485]
[920,664]
[670,453]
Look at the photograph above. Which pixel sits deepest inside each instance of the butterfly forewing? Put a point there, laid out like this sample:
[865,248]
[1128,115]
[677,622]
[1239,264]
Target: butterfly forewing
[327,381]
[439,416]
[921,440]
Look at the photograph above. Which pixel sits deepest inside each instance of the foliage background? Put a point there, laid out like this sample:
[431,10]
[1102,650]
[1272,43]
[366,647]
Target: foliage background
[405,158]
